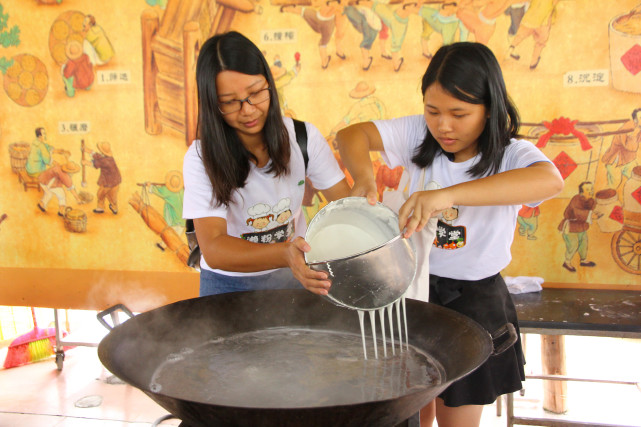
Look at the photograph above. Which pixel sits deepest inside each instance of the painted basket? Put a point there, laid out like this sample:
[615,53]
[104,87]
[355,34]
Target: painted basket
[18,154]
[75,220]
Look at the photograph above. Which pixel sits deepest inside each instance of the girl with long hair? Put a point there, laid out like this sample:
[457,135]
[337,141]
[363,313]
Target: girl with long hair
[465,146]
[245,176]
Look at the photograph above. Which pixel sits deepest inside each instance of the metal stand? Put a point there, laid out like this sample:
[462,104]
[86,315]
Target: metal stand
[163,418]
[413,421]
[60,343]
[575,312]
[533,421]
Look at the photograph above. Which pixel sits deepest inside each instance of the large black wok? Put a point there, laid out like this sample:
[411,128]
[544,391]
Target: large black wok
[134,349]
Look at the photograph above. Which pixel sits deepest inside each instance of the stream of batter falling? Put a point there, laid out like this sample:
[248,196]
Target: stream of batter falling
[399,305]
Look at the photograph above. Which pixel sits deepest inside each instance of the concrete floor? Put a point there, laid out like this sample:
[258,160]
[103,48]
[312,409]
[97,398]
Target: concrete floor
[85,394]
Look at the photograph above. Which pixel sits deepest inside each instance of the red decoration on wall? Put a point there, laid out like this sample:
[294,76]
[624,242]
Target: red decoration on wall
[563,126]
[631,60]
[637,195]
[617,214]
[564,164]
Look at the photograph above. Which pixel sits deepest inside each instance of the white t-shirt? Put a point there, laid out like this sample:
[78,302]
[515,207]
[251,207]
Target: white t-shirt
[473,242]
[266,209]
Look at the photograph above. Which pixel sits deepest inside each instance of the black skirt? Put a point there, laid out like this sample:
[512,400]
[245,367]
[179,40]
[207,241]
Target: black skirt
[488,302]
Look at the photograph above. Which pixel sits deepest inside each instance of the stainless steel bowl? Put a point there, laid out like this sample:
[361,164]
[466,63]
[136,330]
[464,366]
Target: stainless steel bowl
[368,261]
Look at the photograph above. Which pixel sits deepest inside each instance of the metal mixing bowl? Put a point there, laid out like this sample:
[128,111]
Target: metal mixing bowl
[373,277]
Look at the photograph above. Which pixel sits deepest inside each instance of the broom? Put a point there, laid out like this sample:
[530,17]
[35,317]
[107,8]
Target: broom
[35,345]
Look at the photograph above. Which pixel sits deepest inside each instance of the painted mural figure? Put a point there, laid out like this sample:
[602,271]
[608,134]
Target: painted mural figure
[442,20]
[368,24]
[172,193]
[528,220]
[160,3]
[245,176]
[397,20]
[516,11]
[341,23]
[367,107]
[387,179]
[536,23]
[96,44]
[479,16]
[282,78]
[109,179]
[621,157]
[39,158]
[54,181]
[77,72]
[451,147]
[577,218]
[321,18]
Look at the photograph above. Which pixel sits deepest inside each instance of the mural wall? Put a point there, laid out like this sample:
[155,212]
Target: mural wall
[98,107]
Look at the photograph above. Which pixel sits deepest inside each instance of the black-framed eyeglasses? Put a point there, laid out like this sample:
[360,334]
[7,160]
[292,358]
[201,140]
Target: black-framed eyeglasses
[234,105]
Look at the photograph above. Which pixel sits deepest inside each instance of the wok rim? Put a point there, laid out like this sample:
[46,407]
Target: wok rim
[175,404]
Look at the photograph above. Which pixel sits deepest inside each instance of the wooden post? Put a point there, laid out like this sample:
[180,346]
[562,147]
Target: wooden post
[82,154]
[150,23]
[225,19]
[553,363]
[191,48]
[226,11]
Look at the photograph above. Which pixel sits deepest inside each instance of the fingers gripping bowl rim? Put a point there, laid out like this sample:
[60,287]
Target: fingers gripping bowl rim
[368,262]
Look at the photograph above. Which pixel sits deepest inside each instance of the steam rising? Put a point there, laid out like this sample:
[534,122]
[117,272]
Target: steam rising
[132,294]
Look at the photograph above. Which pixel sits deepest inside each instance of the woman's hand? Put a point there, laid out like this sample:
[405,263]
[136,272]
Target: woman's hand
[367,189]
[420,207]
[354,145]
[532,184]
[314,281]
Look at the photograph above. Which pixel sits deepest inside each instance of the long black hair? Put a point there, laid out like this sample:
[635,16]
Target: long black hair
[226,160]
[470,72]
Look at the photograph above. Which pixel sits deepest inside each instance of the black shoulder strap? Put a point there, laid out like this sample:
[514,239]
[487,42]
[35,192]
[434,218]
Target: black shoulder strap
[190,232]
[301,138]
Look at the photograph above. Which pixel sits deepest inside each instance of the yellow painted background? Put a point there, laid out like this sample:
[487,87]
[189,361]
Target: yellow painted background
[117,260]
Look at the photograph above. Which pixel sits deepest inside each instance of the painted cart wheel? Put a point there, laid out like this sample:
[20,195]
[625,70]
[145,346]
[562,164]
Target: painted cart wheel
[26,81]
[626,250]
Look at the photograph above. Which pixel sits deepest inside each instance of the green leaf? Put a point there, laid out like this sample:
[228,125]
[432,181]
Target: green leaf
[5,64]
[3,18]
[10,38]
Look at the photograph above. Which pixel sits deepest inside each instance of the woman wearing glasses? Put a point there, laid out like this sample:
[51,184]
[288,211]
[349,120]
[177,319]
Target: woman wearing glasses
[245,176]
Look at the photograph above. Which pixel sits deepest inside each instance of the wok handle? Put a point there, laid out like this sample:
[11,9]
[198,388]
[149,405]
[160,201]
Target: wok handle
[114,317]
[502,342]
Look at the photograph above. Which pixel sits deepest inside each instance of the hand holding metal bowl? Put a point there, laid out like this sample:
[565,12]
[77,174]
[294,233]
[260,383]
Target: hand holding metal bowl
[360,246]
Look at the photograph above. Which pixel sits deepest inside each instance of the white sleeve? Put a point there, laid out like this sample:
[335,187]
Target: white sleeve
[401,137]
[322,169]
[521,153]
[197,202]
